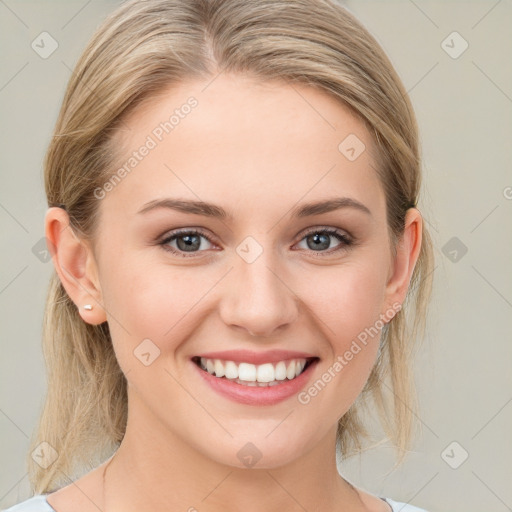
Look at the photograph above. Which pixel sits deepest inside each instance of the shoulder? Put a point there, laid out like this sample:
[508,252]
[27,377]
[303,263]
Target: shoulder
[66,498]
[37,503]
[402,507]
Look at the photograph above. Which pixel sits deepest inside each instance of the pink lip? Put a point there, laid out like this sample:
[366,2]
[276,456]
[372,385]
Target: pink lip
[254,395]
[248,356]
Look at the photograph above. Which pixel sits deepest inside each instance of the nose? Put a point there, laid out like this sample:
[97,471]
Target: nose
[258,299]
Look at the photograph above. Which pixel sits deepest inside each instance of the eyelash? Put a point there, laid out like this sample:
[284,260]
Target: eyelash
[340,236]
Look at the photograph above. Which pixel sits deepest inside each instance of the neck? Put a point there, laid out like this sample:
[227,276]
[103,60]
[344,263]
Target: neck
[155,470]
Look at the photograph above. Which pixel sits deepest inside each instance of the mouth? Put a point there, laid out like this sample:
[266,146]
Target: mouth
[255,375]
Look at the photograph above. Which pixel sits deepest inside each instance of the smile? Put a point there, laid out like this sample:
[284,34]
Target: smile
[248,374]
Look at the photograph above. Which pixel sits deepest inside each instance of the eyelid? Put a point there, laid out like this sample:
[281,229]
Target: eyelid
[185,231]
[329,229]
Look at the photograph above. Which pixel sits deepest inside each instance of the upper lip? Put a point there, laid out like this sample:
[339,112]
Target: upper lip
[249,356]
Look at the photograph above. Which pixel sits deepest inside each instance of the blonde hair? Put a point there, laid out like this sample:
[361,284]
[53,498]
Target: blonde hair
[140,50]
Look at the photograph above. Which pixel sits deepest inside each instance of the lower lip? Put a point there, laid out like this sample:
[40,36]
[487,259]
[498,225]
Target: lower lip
[255,395]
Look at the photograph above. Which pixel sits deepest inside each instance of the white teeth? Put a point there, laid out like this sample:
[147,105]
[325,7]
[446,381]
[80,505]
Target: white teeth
[247,372]
[290,372]
[280,371]
[252,375]
[265,373]
[231,370]
[219,368]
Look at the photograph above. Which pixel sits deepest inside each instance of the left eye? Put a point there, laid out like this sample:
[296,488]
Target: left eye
[319,241]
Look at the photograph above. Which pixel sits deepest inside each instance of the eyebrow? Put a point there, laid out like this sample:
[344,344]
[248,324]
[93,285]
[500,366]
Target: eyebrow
[212,210]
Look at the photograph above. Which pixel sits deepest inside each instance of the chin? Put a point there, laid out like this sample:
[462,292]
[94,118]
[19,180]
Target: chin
[260,452]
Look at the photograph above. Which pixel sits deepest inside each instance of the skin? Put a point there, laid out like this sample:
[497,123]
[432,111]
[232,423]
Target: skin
[257,150]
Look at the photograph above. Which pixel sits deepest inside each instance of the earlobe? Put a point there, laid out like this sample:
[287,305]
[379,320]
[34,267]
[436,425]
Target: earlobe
[407,253]
[75,265]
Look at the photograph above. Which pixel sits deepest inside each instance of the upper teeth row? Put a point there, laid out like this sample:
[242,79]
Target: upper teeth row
[267,372]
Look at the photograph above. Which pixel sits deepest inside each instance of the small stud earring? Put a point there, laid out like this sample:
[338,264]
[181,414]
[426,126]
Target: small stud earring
[88,307]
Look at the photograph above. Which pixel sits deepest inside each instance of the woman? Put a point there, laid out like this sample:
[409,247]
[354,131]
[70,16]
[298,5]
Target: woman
[233,221]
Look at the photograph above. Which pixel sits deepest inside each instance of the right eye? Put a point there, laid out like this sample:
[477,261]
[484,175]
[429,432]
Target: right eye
[185,241]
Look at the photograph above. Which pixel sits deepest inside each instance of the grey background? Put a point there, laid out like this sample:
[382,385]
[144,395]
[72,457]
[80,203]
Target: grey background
[464,107]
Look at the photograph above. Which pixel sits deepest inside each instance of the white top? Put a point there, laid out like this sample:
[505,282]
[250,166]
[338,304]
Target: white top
[38,503]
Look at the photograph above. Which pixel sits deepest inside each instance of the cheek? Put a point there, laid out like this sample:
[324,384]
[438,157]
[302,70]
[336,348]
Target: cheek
[155,302]
[346,299]
[347,302]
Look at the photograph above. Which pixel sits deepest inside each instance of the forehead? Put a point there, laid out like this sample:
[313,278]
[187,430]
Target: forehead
[237,138]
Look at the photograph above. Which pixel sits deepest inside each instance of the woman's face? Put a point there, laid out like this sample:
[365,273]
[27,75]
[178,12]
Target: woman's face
[289,259]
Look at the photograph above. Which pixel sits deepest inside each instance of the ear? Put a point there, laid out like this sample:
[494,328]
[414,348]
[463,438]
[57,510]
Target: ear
[407,253]
[75,265]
